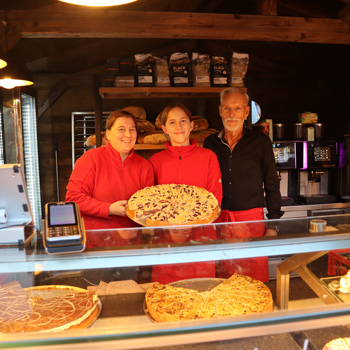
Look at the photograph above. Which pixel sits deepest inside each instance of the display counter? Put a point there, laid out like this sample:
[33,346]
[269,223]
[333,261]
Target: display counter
[123,323]
[307,210]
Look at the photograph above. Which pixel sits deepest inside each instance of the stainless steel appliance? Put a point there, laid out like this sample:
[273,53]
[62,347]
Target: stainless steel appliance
[285,158]
[19,143]
[316,162]
[344,169]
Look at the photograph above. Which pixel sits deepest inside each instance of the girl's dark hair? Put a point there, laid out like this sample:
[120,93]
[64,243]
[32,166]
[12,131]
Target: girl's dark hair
[119,113]
[168,108]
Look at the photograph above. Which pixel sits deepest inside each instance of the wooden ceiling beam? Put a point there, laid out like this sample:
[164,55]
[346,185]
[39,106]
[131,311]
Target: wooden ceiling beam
[267,7]
[58,22]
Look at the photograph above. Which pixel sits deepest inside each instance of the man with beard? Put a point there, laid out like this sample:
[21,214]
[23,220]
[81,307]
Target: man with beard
[249,180]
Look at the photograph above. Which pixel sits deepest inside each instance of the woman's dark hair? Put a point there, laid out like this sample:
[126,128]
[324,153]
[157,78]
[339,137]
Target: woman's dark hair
[119,113]
[168,108]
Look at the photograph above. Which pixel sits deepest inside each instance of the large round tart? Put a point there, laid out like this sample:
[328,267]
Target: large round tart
[238,295]
[172,204]
[46,308]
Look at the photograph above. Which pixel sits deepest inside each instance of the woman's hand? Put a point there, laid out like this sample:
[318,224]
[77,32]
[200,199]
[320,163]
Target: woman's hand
[118,208]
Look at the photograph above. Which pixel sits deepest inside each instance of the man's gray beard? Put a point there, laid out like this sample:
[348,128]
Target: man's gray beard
[228,128]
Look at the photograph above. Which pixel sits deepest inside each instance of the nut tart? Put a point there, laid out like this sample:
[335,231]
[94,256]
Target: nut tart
[338,344]
[238,295]
[172,204]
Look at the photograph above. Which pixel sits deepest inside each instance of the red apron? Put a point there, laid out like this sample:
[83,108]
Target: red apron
[258,267]
[175,272]
[113,238]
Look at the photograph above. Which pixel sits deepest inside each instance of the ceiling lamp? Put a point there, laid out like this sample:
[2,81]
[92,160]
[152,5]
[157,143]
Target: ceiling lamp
[3,63]
[98,2]
[14,74]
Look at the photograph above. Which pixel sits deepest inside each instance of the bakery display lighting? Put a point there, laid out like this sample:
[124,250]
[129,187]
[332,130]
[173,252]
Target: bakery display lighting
[98,2]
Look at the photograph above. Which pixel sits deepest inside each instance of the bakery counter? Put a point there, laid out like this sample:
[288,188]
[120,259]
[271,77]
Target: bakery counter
[123,324]
[147,246]
[306,210]
[130,254]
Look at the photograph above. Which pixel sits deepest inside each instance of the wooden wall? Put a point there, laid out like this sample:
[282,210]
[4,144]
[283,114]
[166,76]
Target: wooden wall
[284,79]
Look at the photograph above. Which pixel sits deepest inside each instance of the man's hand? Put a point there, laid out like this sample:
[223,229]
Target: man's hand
[118,208]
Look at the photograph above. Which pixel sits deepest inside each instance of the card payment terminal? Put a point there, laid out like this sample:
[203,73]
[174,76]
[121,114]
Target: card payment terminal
[64,230]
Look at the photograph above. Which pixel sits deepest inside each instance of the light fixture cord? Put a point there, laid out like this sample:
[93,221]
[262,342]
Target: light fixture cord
[6,31]
[4,23]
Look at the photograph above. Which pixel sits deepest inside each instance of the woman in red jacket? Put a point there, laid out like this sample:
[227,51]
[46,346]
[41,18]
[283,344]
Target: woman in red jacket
[104,178]
[183,162]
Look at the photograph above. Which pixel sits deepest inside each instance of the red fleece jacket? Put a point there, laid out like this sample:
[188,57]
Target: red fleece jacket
[100,178]
[190,165]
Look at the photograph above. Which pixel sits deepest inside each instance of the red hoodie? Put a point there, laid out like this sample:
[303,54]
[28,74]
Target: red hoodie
[100,178]
[190,165]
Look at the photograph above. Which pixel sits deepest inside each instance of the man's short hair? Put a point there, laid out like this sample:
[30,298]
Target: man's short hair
[233,90]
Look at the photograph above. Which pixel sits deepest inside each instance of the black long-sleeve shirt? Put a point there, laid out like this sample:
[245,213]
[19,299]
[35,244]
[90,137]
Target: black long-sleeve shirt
[249,172]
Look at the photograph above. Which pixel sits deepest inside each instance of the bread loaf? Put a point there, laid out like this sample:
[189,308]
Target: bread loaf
[137,112]
[144,126]
[158,122]
[200,123]
[156,137]
[91,140]
[201,135]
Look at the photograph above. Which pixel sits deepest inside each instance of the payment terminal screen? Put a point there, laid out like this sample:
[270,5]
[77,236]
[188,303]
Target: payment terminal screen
[60,215]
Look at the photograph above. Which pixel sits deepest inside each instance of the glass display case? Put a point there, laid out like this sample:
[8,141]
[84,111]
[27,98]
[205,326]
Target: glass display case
[18,140]
[301,275]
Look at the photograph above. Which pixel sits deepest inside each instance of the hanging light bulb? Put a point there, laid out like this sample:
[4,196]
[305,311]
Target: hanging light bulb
[14,74]
[3,63]
[98,2]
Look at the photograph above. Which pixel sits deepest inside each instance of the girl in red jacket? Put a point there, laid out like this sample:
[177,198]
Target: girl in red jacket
[183,162]
[104,178]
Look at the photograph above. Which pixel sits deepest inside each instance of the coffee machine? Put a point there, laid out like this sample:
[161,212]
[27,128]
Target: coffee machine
[316,163]
[285,158]
[344,169]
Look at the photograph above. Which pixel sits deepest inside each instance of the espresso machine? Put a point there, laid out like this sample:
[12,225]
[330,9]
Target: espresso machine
[344,169]
[285,158]
[316,163]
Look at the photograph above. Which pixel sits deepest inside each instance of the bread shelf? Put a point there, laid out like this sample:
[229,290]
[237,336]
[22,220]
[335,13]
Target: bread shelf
[159,92]
[148,146]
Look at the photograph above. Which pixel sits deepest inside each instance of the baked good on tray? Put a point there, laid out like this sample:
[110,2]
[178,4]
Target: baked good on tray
[136,111]
[238,295]
[338,344]
[46,308]
[154,138]
[172,204]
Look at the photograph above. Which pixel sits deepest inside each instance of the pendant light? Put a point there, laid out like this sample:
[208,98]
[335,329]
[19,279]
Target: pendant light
[3,63]
[13,73]
[98,2]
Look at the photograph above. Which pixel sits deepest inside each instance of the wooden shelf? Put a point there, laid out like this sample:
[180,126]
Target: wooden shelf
[148,146]
[159,92]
